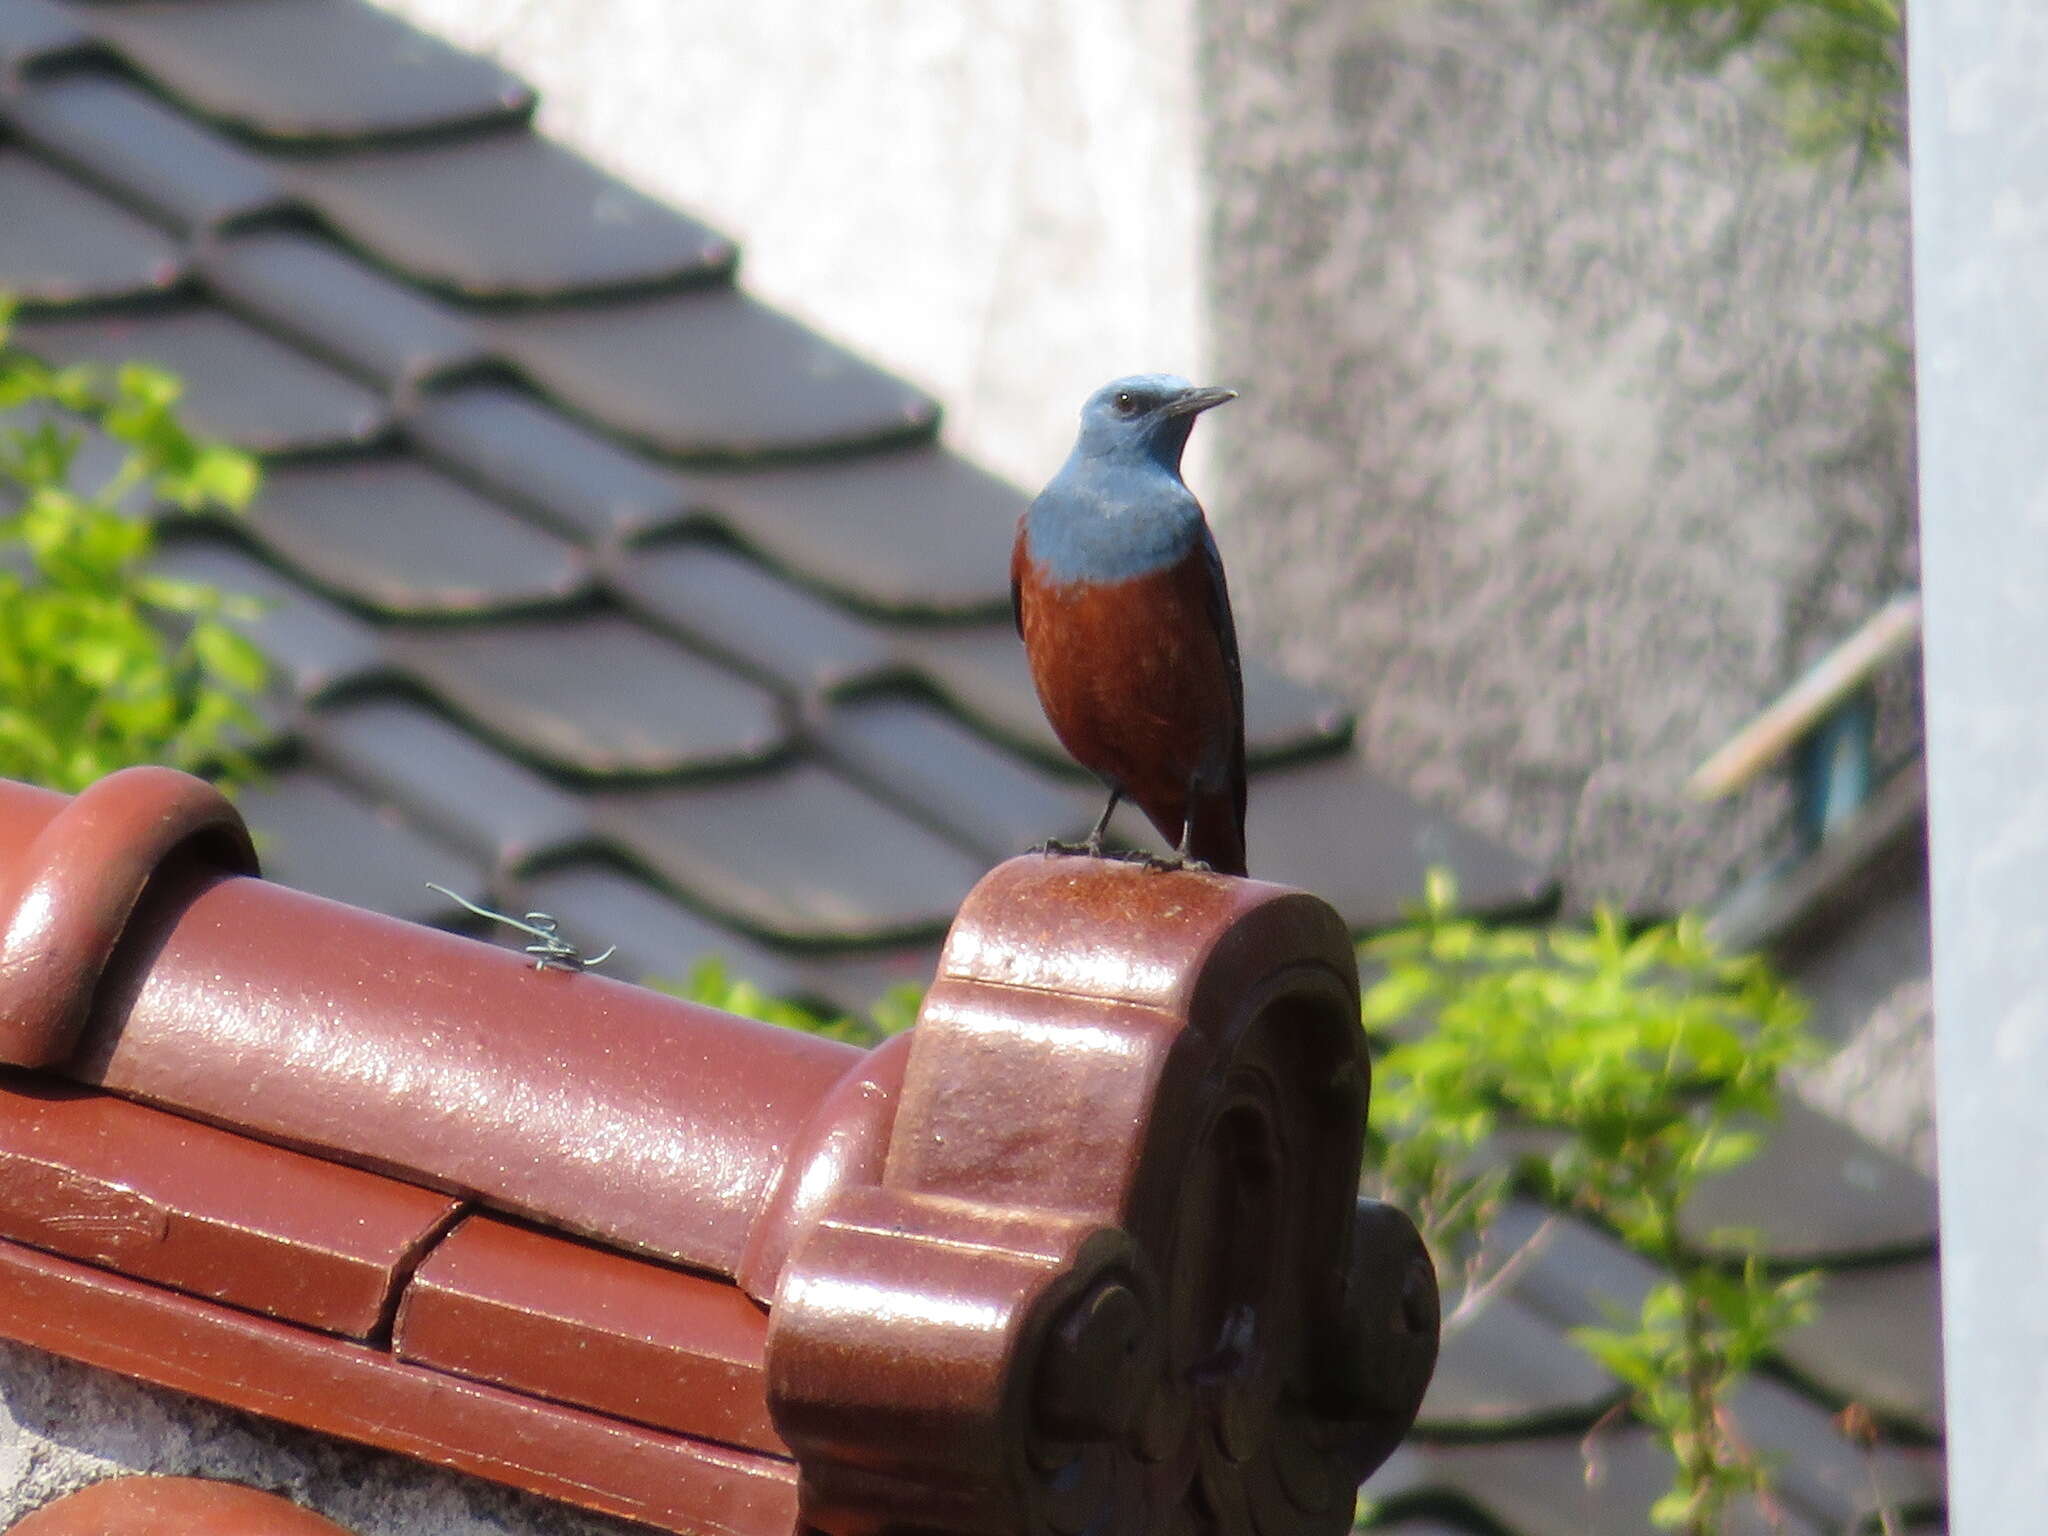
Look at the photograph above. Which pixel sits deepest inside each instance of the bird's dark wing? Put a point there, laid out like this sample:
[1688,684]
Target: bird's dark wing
[1226,633]
[1017,558]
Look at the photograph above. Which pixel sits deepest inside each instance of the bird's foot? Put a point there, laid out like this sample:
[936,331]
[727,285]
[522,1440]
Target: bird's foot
[1053,845]
[1169,863]
[1093,849]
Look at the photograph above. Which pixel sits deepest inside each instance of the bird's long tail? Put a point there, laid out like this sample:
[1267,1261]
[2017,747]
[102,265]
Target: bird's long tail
[1216,830]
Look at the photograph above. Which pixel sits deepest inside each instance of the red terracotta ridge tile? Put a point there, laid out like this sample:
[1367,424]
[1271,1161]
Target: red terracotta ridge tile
[161,1198]
[547,1315]
[173,1506]
[362,1394]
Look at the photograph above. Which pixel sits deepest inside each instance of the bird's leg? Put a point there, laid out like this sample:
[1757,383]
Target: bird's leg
[1182,857]
[1092,846]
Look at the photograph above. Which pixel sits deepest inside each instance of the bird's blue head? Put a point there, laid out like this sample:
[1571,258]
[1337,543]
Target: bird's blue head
[1145,416]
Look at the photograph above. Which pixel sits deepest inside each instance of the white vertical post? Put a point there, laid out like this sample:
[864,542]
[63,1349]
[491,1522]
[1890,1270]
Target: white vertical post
[1979,115]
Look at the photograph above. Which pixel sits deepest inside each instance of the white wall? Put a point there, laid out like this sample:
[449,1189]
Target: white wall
[996,198]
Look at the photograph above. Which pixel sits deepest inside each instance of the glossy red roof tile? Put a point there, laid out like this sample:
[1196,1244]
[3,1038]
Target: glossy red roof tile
[795,852]
[150,1195]
[363,1394]
[459,215]
[239,383]
[149,153]
[172,1506]
[596,694]
[313,69]
[708,373]
[521,1308]
[61,244]
[391,534]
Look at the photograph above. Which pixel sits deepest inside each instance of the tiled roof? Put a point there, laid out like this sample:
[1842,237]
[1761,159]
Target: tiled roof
[602,589]
[588,572]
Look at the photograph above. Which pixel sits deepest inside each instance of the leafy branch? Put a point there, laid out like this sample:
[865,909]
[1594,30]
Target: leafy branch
[1643,1059]
[103,663]
[1839,66]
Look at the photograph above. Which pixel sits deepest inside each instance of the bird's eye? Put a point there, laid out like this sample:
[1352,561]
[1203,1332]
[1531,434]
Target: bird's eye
[1126,403]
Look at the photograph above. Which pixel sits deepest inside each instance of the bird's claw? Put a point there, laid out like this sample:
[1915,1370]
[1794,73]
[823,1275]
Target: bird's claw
[1171,863]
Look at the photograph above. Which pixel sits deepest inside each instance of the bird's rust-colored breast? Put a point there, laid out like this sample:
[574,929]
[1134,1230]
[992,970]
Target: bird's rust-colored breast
[1133,676]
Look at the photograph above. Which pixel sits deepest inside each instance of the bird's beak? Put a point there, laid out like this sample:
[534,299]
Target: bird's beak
[1192,402]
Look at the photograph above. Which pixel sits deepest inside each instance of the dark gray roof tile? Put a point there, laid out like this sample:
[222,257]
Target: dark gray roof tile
[467,215]
[797,853]
[1876,1339]
[911,750]
[582,484]
[239,383]
[313,69]
[404,754]
[708,373]
[34,29]
[1820,1471]
[916,532]
[60,244]
[310,289]
[314,645]
[1816,1191]
[595,694]
[659,940]
[392,534]
[1284,719]
[314,835]
[1336,828]
[1574,1274]
[151,154]
[1504,1368]
[983,671]
[1561,1485]
[736,607]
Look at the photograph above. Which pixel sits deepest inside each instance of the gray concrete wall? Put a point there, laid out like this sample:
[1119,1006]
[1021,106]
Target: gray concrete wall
[1568,436]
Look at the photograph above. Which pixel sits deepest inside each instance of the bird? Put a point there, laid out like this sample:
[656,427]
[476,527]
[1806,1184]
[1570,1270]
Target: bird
[1118,594]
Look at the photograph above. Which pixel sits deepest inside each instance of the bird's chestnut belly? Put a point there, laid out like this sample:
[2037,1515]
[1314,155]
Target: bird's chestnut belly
[1132,675]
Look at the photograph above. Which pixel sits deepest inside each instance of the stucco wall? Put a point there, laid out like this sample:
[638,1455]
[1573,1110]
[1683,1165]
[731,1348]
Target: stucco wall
[64,1426]
[996,198]
[1572,427]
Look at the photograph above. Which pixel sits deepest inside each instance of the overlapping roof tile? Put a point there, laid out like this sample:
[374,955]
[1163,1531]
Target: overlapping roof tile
[598,588]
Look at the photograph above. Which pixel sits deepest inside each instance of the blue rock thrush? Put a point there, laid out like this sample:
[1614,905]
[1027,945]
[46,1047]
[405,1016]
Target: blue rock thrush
[1119,598]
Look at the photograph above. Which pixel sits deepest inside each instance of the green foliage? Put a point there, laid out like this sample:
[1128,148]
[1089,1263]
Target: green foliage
[711,983]
[103,664]
[1644,1061]
[1839,66]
